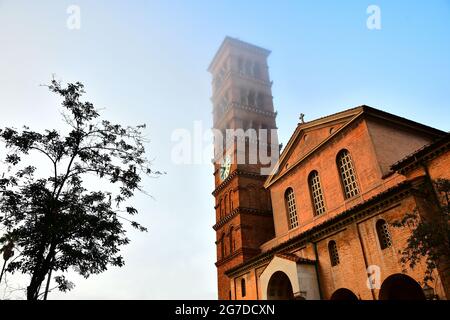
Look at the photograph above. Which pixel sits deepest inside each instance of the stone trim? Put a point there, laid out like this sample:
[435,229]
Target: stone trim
[238,105]
[241,210]
[235,173]
[238,252]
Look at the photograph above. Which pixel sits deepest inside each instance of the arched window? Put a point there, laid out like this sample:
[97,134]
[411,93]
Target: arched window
[333,252]
[221,209]
[251,98]
[289,198]
[231,201]
[219,77]
[226,204]
[384,236]
[248,67]
[241,66]
[256,70]
[243,288]
[347,173]
[232,247]
[223,104]
[316,193]
[259,100]
[222,245]
[251,192]
[243,96]
[225,247]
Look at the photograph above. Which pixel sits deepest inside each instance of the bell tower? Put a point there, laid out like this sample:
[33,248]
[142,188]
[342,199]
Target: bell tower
[242,99]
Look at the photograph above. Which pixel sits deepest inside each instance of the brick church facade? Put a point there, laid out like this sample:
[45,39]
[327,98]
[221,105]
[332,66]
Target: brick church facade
[319,226]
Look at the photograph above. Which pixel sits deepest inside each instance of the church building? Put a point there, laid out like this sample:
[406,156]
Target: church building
[319,226]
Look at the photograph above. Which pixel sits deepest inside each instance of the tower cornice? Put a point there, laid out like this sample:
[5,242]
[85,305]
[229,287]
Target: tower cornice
[240,251]
[230,73]
[237,105]
[241,210]
[233,42]
[233,174]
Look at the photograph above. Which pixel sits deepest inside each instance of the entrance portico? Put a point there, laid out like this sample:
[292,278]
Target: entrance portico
[288,276]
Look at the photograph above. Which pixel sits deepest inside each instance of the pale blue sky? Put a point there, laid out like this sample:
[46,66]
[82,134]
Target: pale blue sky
[145,61]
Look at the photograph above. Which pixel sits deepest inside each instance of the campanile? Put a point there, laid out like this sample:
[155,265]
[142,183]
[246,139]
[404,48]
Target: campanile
[242,99]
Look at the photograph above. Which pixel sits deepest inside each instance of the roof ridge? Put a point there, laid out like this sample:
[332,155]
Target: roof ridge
[333,114]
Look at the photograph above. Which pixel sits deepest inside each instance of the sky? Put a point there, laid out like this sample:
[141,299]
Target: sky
[146,61]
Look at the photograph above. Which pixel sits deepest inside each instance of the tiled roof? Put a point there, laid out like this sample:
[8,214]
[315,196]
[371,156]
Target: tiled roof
[423,153]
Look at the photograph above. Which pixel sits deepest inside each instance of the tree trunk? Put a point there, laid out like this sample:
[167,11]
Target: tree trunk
[3,269]
[39,275]
[35,285]
[48,283]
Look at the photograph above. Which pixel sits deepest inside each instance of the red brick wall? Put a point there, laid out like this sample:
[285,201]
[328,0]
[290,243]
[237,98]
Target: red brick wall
[370,151]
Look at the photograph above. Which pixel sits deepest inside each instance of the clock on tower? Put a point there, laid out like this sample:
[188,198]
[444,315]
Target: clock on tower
[225,168]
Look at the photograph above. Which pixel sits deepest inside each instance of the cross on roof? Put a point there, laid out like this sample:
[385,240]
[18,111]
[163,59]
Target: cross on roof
[302,117]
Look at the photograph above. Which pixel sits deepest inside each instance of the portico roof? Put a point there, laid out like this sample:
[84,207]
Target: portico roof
[294,258]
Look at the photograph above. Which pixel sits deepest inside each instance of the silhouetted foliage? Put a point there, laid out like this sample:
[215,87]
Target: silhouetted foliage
[56,222]
[430,234]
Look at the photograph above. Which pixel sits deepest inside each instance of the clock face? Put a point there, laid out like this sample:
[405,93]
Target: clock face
[225,168]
